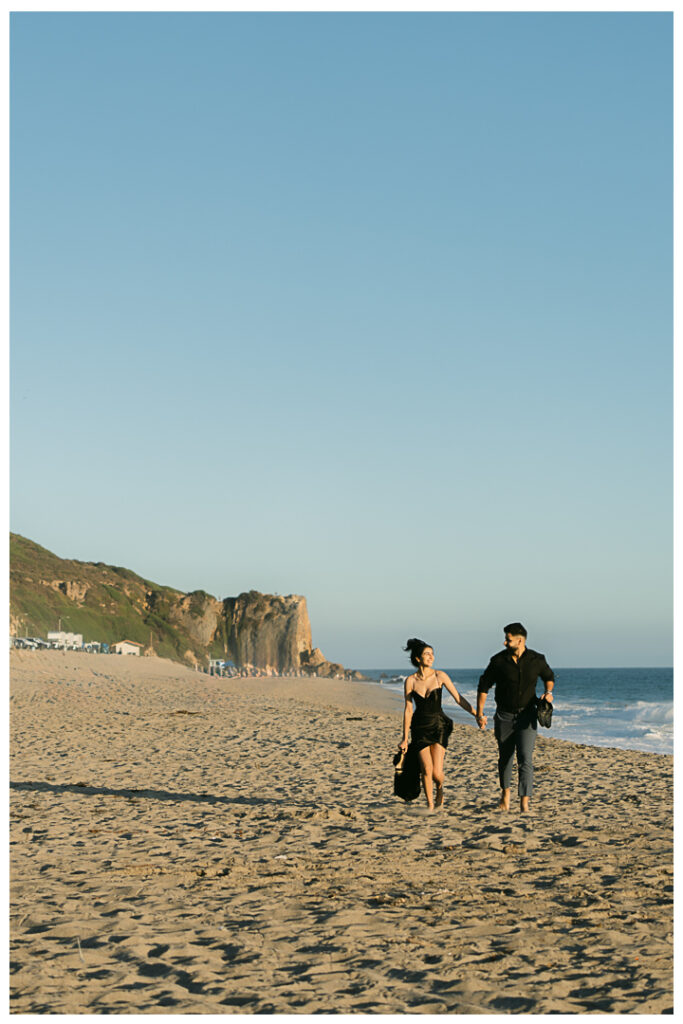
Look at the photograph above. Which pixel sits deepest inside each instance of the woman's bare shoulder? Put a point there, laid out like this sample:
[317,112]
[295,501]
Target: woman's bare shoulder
[441,676]
[410,682]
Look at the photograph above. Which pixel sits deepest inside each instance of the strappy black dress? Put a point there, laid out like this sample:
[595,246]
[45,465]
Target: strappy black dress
[429,723]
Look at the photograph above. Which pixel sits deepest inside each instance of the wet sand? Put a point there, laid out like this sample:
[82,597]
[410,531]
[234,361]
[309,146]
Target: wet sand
[183,844]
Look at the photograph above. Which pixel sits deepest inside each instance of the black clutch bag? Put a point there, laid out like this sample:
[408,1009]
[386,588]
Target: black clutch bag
[406,775]
[544,712]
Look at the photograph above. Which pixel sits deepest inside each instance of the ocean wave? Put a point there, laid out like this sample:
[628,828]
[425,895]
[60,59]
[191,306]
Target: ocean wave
[663,713]
[643,725]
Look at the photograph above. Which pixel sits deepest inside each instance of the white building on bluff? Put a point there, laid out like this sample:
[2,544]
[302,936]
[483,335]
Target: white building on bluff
[126,647]
[66,639]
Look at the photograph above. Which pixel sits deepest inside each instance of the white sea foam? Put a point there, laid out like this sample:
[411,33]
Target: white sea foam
[636,726]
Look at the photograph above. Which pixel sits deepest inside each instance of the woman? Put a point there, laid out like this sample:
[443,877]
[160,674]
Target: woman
[429,726]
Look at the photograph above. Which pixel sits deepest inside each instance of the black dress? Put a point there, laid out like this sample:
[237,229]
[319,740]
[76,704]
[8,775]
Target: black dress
[429,724]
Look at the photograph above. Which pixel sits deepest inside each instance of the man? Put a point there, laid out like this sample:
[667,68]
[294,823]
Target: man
[514,672]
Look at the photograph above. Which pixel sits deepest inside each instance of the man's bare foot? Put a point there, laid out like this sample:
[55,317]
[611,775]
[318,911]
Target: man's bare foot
[438,802]
[504,804]
[524,805]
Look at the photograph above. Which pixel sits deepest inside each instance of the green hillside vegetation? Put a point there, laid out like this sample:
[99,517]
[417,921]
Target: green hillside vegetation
[105,603]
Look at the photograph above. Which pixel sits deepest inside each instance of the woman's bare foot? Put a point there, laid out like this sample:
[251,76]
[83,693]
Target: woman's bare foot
[438,802]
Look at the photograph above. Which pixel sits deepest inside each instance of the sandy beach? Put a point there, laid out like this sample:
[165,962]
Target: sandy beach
[184,844]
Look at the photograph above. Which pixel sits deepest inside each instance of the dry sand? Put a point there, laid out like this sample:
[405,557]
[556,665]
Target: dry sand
[182,844]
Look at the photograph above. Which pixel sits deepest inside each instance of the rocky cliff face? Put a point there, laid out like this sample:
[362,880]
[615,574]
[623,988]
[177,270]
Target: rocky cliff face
[315,663]
[267,631]
[199,615]
[109,603]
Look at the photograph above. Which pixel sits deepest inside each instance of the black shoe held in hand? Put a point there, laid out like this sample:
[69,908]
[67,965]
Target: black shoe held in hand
[544,712]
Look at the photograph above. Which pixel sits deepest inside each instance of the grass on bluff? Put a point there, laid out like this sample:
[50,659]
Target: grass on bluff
[118,604]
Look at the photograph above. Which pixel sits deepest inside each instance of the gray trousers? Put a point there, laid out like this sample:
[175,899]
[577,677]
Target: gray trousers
[516,732]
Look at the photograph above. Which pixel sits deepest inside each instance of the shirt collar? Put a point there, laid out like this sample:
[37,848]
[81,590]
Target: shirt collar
[509,654]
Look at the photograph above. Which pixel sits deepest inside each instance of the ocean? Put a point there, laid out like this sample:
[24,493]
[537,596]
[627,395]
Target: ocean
[631,708]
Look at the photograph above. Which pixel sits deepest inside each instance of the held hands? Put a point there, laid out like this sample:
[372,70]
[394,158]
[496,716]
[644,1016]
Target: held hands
[403,745]
[481,721]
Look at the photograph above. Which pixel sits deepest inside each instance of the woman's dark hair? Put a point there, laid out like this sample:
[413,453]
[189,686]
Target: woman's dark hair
[415,647]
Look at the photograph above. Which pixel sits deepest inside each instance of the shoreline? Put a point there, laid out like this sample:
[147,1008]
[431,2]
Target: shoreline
[188,844]
[340,688]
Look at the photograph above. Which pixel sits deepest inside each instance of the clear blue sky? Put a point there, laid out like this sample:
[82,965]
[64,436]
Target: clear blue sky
[375,308]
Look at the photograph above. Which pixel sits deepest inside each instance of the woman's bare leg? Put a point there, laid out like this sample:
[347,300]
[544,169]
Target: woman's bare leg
[437,752]
[426,771]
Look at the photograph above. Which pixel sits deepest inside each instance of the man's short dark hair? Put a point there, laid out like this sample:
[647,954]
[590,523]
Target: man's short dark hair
[515,629]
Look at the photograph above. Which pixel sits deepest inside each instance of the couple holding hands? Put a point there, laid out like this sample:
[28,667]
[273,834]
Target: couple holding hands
[513,672]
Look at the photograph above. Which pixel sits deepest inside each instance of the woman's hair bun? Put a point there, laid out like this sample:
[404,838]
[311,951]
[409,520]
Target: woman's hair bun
[415,647]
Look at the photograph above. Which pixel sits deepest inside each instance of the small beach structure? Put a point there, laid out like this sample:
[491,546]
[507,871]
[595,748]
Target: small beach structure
[61,639]
[127,647]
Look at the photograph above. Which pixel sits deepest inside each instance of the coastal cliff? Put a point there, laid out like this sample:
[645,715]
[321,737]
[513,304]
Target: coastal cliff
[108,603]
[268,630]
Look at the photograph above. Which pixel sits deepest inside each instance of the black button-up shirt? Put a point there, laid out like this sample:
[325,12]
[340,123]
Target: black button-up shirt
[515,682]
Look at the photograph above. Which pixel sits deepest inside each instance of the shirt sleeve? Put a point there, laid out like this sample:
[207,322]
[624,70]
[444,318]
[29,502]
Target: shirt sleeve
[487,679]
[545,671]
